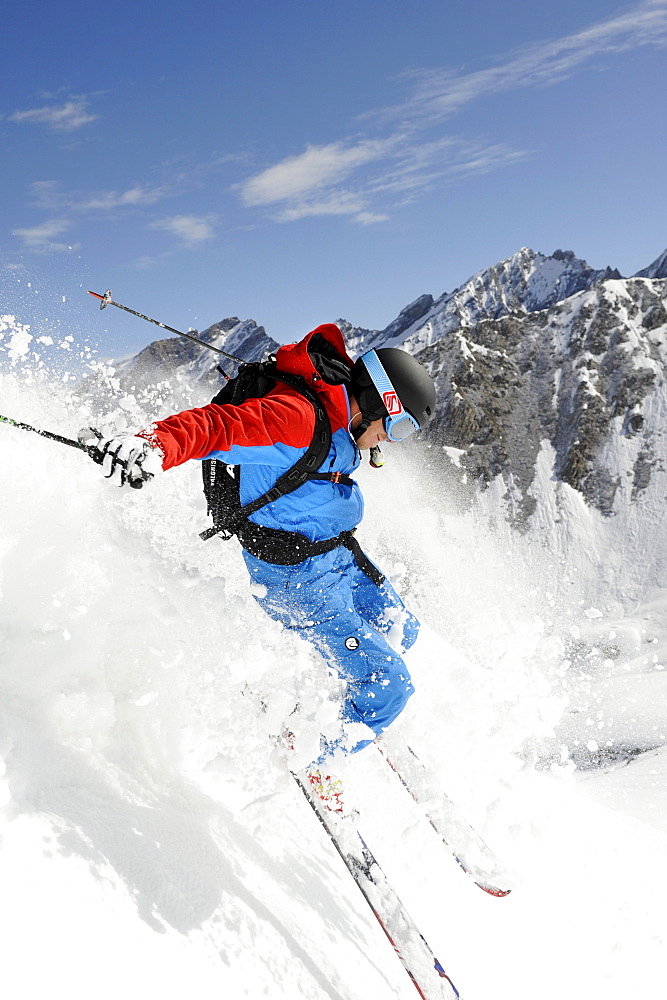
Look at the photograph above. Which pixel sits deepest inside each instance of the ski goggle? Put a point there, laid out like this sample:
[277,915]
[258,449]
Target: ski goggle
[398,423]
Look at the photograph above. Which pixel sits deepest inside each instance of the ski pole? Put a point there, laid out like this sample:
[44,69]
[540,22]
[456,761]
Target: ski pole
[106,300]
[89,449]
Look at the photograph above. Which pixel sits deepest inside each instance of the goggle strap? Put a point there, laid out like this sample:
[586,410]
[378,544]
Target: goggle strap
[382,383]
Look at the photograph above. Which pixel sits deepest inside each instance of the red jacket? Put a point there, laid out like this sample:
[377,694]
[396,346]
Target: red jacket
[266,437]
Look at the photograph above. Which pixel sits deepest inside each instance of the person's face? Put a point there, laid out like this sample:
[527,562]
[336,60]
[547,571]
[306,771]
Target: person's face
[374,433]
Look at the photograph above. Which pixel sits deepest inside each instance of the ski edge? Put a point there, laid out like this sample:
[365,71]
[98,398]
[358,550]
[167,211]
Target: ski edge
[481,879]
[366,867]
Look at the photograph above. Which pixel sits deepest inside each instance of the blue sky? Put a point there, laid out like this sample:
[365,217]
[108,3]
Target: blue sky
[301,161]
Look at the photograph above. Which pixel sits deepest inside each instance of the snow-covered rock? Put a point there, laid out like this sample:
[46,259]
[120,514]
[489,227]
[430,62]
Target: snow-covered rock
[578,375]
[243,339]
[523,283]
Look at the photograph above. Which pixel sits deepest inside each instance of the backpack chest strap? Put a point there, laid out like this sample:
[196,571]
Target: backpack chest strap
[334,477]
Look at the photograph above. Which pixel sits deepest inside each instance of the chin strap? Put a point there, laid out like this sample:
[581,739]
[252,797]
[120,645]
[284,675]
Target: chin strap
[376,458]
[356,432]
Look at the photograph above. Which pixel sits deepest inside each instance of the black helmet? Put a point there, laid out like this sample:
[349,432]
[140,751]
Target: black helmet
[390,384]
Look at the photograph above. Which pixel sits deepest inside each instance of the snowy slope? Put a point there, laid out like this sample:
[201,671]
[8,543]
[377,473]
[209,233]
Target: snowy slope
[152,843]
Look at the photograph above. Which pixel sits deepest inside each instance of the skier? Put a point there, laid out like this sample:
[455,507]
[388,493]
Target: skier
[308,570]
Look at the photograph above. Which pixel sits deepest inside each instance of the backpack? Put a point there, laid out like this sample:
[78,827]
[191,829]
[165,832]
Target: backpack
[221,481]
[255,380]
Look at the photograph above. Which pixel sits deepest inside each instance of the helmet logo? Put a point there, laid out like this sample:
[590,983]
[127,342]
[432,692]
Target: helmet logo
[392,403]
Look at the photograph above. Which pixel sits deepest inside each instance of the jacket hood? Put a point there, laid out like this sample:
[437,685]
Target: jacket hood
[302,358]
[322,360]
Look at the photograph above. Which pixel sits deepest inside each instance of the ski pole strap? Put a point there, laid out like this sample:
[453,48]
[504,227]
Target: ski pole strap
[289,548]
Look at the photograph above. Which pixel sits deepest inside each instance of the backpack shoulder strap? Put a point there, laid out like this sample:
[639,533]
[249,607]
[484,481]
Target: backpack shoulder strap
[229,514]
[304,468]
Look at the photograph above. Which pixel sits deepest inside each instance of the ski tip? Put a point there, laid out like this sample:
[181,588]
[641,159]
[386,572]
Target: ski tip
[493,890]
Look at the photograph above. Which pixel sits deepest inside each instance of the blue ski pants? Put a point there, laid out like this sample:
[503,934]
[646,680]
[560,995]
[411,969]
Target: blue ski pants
[331,603]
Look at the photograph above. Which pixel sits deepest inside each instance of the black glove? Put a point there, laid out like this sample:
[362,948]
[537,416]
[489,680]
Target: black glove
[127,460]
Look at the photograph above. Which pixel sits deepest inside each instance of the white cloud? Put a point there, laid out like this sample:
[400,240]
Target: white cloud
[395,170]
[190,229]
[370,218]
[418,165]
[44,237]
[317,167]
[107,200]
[46,194]
[308,184]
[147,261]
[65,117]
[482,159]
[442,93]
[402,167]
[49,195]
[339,203]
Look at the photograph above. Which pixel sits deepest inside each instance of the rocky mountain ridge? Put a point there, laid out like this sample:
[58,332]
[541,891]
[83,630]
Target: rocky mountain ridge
[658,269]
[573,375]
[537,348]
[543,349]
[523,283]
[160,359]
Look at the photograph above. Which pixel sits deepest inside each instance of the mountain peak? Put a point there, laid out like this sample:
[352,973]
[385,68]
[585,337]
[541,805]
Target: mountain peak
[529,280]
[658,269]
